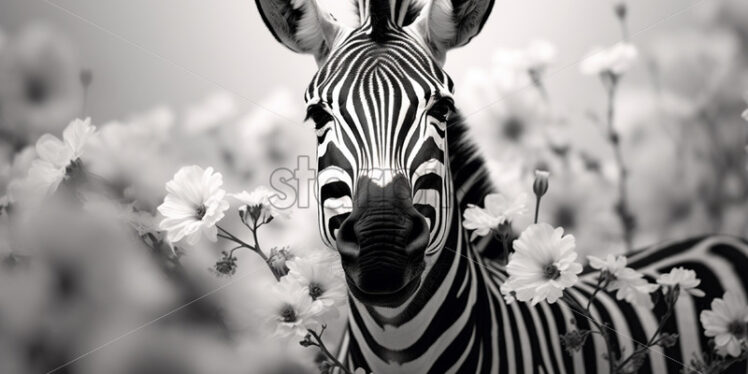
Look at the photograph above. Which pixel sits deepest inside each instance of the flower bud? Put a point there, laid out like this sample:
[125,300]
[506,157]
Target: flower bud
[277,260]
[668,340]
[86,77]
[256,213]
[621,10]
[226,265]
[573,341]
[540,186]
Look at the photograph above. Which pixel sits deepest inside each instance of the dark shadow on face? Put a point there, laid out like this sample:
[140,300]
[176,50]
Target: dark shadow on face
[382,243]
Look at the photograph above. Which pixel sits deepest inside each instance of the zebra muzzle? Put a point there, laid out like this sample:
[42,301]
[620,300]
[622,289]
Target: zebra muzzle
[382,243]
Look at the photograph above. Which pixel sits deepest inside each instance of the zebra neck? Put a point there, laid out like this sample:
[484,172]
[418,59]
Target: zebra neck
[453,303]
[428,326]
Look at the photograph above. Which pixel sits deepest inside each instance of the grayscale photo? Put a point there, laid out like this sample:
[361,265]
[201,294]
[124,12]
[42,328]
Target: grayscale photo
[373,186]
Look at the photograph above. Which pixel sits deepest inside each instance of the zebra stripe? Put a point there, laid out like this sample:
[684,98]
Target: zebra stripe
[378,100]
[462,324]
[377,96]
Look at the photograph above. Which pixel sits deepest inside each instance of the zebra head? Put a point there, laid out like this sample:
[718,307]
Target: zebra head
[380,104]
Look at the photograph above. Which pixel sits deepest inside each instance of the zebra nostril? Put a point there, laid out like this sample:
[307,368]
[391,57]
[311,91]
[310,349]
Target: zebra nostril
[418,239]
[347,241]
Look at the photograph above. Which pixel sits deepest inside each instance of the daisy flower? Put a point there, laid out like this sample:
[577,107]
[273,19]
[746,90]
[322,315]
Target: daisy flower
[500,208]
[40,88]
[58,159]
[322,277]
[543,264]
[615,60]
[537,56]
[259,205]
[292,313]
[685,279]
[727,323]
[194,204]
[629,283]
[611,264]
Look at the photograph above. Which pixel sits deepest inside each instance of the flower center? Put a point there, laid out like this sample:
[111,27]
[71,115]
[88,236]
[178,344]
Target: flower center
[201,210]
[315,290]
[737,328]
[36,90]
[514,128]
[287,314]
[72,167]
[551,272]
[566,217]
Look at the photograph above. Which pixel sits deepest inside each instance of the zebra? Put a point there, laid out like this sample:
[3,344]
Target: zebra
[396,168]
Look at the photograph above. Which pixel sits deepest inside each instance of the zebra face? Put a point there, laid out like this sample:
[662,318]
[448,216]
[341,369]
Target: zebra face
[380,113]
[379,105]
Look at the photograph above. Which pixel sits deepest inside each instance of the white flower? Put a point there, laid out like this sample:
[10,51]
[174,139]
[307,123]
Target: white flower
[611,264]
[259,204]
[685,279]
[727,323]
[630,284]
[615,60]
[291,312]
[539,54]
[194,204]
[509,295]
[214,111]
[480,220]
[57,158]
[142,222]
[500,208]
[40,88]
[542,265]
[322,277]
[535,57]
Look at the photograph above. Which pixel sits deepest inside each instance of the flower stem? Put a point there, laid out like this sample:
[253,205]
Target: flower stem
[325,351]
[601,284]
[622,206]
[242,244]
[574,304]
[537,209]
[653,340]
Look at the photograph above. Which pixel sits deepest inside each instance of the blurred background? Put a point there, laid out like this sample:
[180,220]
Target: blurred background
[179,82]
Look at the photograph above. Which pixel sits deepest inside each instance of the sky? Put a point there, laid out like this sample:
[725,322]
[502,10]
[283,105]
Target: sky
[146,53]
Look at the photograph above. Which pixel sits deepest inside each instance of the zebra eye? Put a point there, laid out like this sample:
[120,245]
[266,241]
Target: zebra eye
[318,115]
[441,109]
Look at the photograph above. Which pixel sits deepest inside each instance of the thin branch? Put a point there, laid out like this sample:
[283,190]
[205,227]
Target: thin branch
[622,206]
[323,348]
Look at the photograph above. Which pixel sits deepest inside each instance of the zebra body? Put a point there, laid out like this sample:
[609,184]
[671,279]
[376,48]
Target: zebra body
[462,324]
[395,171]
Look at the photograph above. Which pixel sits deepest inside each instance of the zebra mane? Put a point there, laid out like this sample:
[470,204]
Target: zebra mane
[379,14]
[470,176]
[401,12]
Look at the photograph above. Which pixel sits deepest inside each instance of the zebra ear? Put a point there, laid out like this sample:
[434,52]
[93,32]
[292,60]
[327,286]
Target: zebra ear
[300,25]
[448,24]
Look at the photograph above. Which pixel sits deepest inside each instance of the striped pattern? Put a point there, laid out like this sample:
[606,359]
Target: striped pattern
[377,97]
[374,100]
[459,322]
